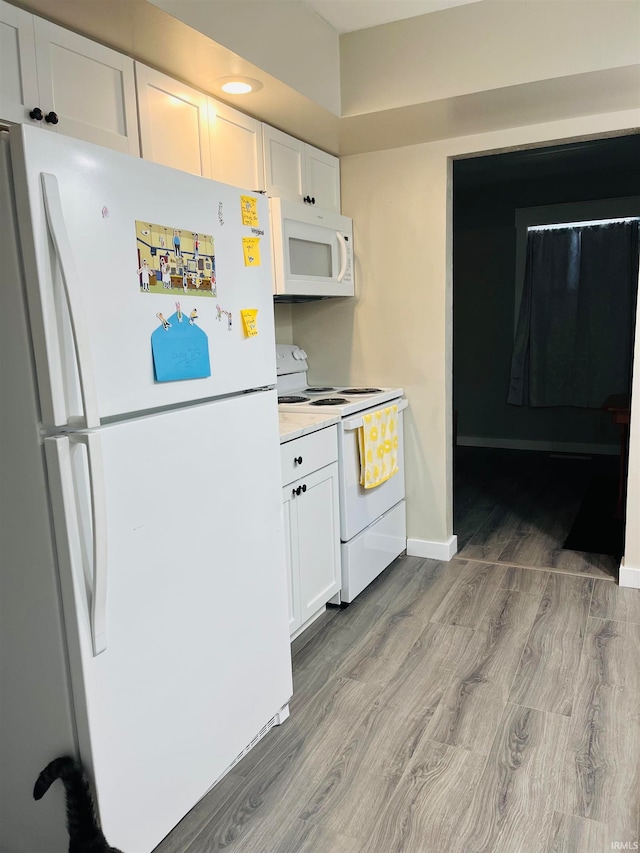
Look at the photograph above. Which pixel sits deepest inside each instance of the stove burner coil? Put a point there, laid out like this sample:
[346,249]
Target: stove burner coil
[352,391]
[329,401]
[318,390]
[293,399]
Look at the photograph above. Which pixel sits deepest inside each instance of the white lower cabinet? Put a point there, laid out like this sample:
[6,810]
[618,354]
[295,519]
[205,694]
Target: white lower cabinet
[312,527]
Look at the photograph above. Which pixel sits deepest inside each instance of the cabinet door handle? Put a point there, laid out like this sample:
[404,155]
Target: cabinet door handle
[51,118]
[297,491]
[313,201]
[304,488]
[297,460]
[37,114]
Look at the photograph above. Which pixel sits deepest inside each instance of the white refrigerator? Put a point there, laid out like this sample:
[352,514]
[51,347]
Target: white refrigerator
[143,591]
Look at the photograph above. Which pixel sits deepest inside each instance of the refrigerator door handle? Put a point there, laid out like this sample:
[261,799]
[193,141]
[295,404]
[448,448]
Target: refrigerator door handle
[62,244]
[67,520]
[99,526]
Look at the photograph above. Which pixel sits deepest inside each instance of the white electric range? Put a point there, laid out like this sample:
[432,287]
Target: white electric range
[372,521]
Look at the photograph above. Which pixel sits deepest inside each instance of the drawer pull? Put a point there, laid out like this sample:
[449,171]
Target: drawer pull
[297,460]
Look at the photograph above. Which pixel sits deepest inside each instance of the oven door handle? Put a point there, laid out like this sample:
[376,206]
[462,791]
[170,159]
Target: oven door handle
[356,423]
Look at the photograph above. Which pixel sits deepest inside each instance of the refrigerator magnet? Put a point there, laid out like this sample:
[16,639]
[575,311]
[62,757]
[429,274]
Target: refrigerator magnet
[175,260]
[221,311]
[249,208]
[249,321]
[251,250]
[180,350]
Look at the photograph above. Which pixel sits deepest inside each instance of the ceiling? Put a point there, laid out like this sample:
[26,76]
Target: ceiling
[345,16]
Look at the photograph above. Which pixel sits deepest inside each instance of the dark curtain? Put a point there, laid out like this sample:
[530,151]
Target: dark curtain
[575,328]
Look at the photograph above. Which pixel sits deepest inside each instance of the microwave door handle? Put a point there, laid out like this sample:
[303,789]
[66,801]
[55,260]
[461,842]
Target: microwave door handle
[343,255]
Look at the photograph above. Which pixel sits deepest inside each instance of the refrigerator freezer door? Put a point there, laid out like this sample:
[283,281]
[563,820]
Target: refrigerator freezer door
[86,249]
[197,656]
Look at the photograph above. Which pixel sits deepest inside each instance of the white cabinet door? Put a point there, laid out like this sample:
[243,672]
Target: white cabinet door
[299,172]
[322,172]
[318,541]
[174,123]
[312,525]
[236,147]
[283,164]
[18,79]
[291,553]
[90,88]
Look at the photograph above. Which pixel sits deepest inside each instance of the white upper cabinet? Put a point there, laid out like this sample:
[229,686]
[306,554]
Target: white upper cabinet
[322,172]
[186,129]
[64,82]
[18,78]
[61,81]
[300,172]
[89,87]
[236,147]
[283,164]
[174,122]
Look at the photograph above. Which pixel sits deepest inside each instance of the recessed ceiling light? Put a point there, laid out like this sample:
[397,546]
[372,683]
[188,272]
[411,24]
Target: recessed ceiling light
[238,85]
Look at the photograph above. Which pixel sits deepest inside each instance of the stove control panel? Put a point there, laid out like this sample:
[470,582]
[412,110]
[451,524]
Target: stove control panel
[290,359]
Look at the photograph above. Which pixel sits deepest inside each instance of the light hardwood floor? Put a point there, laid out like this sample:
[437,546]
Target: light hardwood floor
[465,706]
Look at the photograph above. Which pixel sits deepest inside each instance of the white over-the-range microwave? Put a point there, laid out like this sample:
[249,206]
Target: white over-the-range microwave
[312,252]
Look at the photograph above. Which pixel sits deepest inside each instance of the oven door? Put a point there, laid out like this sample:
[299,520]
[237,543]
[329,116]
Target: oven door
[359,507]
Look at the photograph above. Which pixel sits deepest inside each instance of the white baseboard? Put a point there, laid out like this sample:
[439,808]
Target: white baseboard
[548,446]
[629,576]
[433,550]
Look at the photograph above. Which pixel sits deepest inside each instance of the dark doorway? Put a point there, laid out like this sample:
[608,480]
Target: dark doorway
[487,192]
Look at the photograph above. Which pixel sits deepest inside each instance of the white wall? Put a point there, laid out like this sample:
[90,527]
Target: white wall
[283,324]
[483,46]
[398,330]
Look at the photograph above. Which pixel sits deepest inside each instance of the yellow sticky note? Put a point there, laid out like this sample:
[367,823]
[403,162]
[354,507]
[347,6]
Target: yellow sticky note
[251,249]
[249,207]
[249,321]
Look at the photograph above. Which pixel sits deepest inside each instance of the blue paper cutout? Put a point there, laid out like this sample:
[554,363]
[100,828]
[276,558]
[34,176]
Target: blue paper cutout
[180,351]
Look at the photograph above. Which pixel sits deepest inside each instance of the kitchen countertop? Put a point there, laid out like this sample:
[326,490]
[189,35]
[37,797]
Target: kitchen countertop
[295,424]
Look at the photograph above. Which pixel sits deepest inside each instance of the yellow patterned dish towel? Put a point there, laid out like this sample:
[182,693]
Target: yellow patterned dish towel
[378,442]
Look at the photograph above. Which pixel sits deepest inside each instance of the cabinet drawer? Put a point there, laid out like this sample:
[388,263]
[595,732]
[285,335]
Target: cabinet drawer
[308,453]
